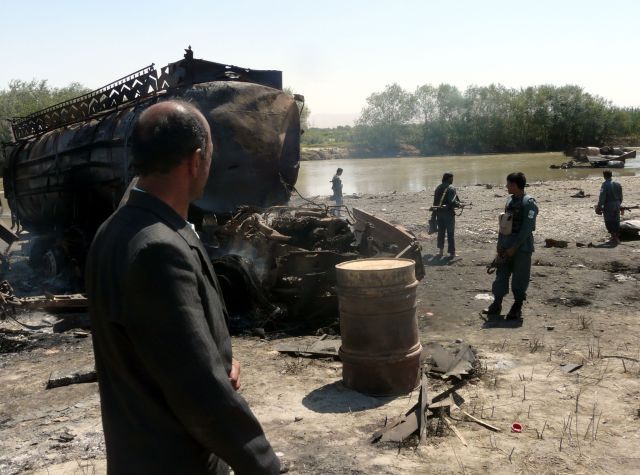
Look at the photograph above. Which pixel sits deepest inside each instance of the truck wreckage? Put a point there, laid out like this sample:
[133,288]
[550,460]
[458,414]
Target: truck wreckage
[277,265]
[70,165]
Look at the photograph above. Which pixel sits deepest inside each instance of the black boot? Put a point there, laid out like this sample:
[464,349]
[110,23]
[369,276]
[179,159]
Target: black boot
[515,313]
[494,309]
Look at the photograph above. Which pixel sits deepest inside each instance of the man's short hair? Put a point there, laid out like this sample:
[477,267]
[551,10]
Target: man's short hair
[160,142]
[338,171]
[447,176]
[518,178]
[607,174]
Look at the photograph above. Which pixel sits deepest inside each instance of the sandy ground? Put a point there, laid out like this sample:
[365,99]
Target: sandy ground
[582,308]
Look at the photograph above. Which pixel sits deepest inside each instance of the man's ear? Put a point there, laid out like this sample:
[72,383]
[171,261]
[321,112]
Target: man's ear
[195,162]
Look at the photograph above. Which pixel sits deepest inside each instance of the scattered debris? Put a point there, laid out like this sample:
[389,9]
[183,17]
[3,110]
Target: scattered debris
[516,427]
[483,297]
[570,367]
[570,301]
[78,377]
[399,429]
[422,407]
[65,436]
[414,420]
[319,347]
[455,431]
[480,421]
[8,237]
[580,194]
[449,365]
[50,301]
[630,230]
[623,278]
[9,301]
[555,243]
[621,357]
[276,266]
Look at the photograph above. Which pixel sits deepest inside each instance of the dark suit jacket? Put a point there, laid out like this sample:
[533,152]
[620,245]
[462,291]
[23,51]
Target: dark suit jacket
[163,352]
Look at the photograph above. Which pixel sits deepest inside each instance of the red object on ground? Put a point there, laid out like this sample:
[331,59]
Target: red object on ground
[516,427]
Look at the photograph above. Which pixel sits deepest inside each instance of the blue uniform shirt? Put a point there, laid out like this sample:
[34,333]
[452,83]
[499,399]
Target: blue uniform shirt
[525,212]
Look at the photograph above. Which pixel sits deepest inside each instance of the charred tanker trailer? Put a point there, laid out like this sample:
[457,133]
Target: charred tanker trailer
[71,163]
[70,166]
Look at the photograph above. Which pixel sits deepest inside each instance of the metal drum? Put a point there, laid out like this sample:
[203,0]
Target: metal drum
[380,345]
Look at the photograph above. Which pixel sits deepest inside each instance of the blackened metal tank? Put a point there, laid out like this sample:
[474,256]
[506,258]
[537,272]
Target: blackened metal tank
[71,163]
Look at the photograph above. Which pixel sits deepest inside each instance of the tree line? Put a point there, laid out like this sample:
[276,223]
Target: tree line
[22,98]
[431,120]
[490,119]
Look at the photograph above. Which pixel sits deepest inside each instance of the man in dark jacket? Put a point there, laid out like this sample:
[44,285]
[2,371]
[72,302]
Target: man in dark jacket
[445,201]
[609,204]
[163,352]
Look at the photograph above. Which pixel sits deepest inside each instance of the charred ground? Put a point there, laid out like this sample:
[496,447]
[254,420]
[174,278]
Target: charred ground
[583,308]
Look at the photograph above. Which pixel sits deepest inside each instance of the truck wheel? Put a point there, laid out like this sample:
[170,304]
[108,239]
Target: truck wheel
[52,262]
[37,250]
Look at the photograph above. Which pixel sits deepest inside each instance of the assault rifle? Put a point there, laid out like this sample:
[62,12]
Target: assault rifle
[622,209]
[460,206]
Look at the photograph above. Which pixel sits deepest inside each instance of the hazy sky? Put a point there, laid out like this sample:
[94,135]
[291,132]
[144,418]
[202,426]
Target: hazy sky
[335,53]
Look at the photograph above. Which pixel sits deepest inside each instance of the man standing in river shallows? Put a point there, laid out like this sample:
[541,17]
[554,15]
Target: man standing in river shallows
[336,186]
[515,247]
[163,353]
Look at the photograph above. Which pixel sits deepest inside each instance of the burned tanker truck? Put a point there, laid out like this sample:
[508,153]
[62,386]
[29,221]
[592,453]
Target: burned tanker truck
[70,165]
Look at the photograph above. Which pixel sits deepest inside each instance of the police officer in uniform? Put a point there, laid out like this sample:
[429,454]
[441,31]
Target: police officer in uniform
[515,248]
[445,201]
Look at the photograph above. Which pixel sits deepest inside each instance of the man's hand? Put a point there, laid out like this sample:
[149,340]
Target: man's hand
[511,251]
[234,375]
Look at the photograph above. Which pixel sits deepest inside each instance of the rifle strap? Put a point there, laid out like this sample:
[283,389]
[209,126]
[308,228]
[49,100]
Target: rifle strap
[444,193]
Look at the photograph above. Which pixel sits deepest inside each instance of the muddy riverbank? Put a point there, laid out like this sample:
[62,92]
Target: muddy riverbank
[583,308]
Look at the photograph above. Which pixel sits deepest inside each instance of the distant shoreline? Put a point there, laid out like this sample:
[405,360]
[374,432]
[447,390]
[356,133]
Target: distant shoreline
[334,153]
[338,153]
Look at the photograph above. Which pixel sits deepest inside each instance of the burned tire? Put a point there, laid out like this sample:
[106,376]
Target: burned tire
[46,256]
[53,262]
[38,247]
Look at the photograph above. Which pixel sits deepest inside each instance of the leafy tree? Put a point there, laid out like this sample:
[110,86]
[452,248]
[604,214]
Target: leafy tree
[441,133]
[491,119]
[336,137]
[383,123]
[22,98]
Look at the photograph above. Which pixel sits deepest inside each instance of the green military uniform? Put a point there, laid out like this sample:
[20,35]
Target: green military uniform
[525,211]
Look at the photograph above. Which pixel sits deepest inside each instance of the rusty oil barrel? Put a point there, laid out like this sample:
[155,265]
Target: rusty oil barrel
[381,348]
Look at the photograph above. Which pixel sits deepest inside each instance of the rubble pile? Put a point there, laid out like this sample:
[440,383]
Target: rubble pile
[277,266]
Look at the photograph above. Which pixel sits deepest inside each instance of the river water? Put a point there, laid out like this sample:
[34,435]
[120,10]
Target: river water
[374,175]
